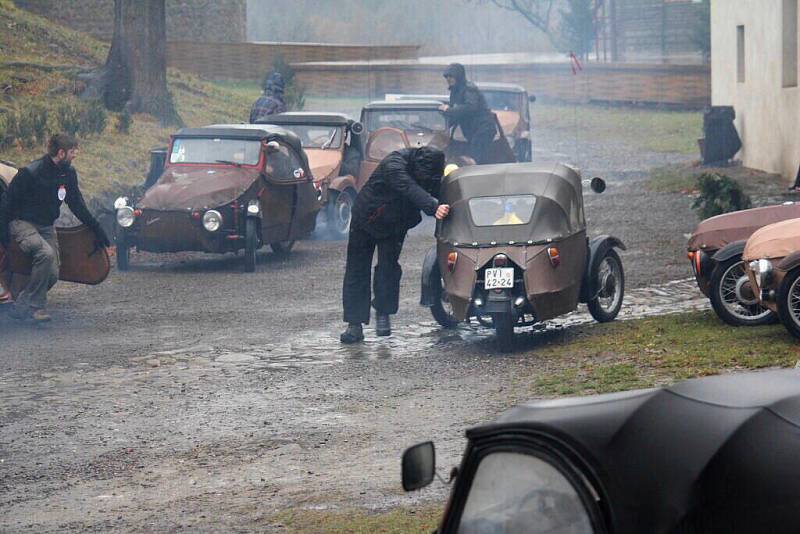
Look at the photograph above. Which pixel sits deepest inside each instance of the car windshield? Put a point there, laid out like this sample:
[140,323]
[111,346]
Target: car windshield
[514,492]
[502,211]
[503,100]
[216,150]
[407,120]
[315,136]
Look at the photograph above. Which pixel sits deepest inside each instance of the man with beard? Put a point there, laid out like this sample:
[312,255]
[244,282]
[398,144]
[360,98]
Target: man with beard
[28,211]
[468,109]
[388,205]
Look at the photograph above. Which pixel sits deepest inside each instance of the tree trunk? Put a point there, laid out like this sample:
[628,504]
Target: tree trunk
[135,74]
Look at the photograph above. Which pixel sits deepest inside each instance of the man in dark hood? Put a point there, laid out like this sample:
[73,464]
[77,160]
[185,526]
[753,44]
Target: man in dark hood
[388,205]
[271,101]
[468,109]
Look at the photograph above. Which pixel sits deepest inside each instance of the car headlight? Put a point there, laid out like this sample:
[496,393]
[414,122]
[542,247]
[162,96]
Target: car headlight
[212,220]
[125,217]
[253,207]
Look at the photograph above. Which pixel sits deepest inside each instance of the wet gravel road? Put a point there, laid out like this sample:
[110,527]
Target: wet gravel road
[187,394]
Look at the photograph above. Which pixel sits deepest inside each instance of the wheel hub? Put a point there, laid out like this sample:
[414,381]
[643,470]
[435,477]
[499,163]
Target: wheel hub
[744,292]
[608,284]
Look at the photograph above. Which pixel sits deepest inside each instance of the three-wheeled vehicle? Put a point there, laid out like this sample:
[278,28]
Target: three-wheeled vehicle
[772,263]
[80,259]
[514,249]
[391,126]
[511,104]
[332,144]
[711,455]
[715,252]
[224,188]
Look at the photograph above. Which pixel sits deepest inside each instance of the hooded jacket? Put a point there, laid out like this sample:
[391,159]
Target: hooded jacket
[405,182]
[468,107]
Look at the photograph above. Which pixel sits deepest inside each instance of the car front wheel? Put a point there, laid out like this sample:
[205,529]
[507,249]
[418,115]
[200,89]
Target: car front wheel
[250,244]
[733,298]
[442,310]
[340,209]
[789,302]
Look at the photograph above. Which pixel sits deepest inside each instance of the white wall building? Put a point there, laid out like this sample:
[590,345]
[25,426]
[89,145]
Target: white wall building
[754,68]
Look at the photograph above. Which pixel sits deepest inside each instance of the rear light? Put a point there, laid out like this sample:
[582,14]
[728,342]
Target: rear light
[501,260]
[690,255]
[698,256]
[196,215]
[451,261]
[554,255]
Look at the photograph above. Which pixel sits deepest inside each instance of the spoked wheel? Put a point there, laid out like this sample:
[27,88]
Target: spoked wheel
[733,298]
[504,331]
[442,309]
[282,247]
[789,302]
[340,212]
[611,282]
[250,244]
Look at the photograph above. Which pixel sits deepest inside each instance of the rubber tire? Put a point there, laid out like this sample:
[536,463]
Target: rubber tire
[334,229]
[123,255]
[783,312]
[437,310]
[599,314]
[282,248]
[504,331]
[250,244]
[719,306]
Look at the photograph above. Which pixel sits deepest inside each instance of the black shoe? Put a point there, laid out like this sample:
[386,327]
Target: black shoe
[382,325]
[353,334]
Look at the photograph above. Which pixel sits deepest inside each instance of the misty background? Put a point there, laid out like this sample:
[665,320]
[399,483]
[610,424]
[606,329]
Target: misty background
[441,27]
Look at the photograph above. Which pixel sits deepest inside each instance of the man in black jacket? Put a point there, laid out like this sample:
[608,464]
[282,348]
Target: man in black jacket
[468,109]
[28,211]
[388,205]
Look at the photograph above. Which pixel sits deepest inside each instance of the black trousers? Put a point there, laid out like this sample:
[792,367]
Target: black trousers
[386,283]
[481,143]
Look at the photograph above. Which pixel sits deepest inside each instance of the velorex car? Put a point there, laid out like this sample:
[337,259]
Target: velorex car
[715,253]
[514,250]
[772,263]
[710,455]
[80,260]
[510,102]
[390,126]
[224,188]
[333,147]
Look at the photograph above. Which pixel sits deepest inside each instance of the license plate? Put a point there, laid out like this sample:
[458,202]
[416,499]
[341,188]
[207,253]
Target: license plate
[499,278]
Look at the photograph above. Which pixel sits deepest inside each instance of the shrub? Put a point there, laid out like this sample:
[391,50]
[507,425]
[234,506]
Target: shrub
[93,118]
[38,116]
[719,194]
[124,122]
[8,128]
[68,115]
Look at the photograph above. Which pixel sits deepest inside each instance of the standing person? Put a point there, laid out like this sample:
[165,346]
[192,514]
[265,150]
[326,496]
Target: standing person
[404,183]
[271,101]
[28,211]
[469,110]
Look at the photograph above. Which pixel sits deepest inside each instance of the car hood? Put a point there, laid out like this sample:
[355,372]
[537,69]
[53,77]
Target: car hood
[716,232]
[509,121]
[773,241]
[181,188]
[323,163]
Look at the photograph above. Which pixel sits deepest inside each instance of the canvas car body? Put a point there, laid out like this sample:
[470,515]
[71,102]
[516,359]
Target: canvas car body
[772,263]
[710,455]
[523,222]
[715,253]
[333,146]
[224,188]
[390,126]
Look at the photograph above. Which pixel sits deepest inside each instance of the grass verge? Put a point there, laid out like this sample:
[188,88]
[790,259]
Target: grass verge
[399,521]
[682,178]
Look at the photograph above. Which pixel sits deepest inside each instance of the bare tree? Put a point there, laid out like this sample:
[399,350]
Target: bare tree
[537,12]
[134,77]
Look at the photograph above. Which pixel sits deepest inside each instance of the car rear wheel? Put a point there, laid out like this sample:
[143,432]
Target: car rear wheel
[504,331]
[733,298]
[340,212]
[250,244]
[442,309]
[282,247]
[611,283]
[789,302]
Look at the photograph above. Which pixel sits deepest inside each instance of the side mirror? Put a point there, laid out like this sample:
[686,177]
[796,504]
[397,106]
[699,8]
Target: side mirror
[598,185]
[419,466]
[357,128]
[531,98]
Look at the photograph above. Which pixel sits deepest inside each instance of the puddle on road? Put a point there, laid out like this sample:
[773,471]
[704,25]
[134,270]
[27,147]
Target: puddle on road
[316,348]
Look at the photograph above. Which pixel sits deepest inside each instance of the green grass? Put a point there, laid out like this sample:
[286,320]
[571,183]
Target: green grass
[682,178]
[659,350]
[399,521]
[648,129]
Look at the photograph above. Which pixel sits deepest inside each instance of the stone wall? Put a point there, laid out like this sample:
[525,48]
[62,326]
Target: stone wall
[195,20]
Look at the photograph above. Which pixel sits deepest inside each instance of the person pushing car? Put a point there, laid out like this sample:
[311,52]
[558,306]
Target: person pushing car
[468,109]
[28,211]
[404,183]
